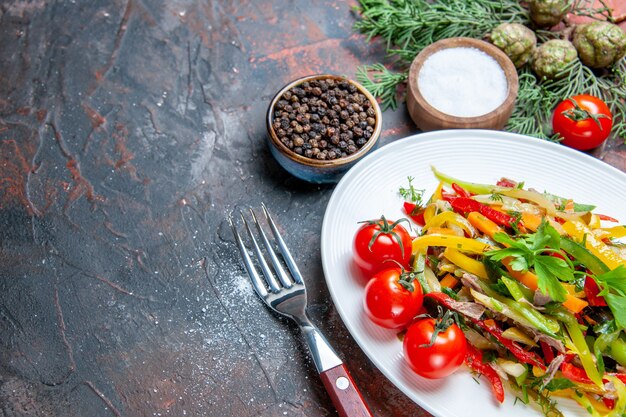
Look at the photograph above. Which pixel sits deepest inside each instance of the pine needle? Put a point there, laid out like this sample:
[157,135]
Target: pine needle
[382,83]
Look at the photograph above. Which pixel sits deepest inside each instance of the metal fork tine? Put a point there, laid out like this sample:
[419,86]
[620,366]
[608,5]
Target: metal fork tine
[280,271]
[291,264]
[267,272]
[257,282]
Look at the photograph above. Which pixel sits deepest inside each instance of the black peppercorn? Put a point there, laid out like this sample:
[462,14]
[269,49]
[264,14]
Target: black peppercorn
[324,119]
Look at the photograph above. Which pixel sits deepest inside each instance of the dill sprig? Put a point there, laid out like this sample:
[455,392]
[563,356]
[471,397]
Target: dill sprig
[408,26]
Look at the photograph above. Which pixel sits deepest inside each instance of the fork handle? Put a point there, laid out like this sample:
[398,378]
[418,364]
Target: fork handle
[343,392]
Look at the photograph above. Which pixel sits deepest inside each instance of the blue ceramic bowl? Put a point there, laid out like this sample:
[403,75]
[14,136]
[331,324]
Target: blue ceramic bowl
[314,170]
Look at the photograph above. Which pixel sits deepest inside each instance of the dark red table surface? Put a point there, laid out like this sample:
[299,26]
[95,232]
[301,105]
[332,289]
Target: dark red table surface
[128,131]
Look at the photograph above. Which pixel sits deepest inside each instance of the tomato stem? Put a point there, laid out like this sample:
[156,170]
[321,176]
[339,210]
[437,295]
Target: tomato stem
[442,323]
[386,228]
[579,114]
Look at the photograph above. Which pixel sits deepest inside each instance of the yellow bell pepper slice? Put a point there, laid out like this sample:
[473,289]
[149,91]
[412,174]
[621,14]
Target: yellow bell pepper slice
[421,243]
[431,207]
[450,217]
[437,194]
[615,231]
[466,263]
[580,232]
[445,231]
[593,221]
[429,212]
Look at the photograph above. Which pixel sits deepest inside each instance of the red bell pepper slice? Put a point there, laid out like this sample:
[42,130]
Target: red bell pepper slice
[520,353]
[464,205]
[460,191]
[447,196]
[591,292]
[607,218]
[609,402]
[415,213]
[547,351]
[474,359]
[576,374]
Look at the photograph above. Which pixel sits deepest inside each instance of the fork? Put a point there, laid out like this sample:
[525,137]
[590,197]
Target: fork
[287,296]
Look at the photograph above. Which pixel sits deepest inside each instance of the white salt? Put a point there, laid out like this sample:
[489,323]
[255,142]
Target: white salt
[463,82]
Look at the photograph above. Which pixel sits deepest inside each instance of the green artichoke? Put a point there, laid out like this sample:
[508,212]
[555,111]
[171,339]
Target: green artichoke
[548,13]
[516,41]
[551,58]
[599,44]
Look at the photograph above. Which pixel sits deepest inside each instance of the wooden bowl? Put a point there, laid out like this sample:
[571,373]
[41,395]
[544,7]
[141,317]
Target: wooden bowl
[427,117]
[314,170]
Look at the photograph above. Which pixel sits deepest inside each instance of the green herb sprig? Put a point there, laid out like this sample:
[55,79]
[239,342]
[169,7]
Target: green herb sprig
[534,251]
[411,193]
[613,284]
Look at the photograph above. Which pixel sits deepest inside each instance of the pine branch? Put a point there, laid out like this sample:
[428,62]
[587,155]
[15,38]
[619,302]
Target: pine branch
[408,26]
[382,83]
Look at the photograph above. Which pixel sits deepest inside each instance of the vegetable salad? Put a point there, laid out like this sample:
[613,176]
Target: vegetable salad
[536,282]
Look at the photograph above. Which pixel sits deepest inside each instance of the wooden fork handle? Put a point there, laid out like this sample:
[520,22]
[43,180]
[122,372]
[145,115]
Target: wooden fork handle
[343,392]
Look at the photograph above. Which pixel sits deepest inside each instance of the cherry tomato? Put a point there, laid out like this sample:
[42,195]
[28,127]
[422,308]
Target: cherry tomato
[377,243]
[441,358]
[388,302]
[583,121]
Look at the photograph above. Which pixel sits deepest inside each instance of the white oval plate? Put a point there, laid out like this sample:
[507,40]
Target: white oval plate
[370,189]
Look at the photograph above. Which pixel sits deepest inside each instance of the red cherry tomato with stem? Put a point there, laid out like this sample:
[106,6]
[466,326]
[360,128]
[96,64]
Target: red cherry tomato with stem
[583,122]
[377,242]
[393,297]
[435,348]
